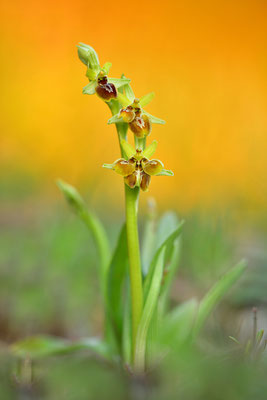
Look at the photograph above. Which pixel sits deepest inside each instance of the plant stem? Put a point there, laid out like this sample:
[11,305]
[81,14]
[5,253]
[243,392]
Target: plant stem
[131,206]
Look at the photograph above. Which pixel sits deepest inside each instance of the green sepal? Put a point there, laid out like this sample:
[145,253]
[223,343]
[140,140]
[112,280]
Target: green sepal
[166,172]
[118,82]
[90,88]
[106,67]
[108,166]
[129,93]
[123,100]
[115,119]
[150,150]
[154,120]
[127,148]
[146,99]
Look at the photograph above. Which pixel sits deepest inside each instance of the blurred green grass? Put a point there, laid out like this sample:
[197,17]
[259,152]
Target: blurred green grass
[49,284]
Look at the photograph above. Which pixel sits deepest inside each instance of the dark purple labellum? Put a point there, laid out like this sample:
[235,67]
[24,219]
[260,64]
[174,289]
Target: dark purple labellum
[140,126]
[106,91]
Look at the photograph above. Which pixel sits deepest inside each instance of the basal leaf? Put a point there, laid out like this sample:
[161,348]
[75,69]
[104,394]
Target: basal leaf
[149,308]
[216,293]
[116,279]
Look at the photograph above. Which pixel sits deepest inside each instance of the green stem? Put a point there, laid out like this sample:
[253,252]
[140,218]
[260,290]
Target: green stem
[131,206]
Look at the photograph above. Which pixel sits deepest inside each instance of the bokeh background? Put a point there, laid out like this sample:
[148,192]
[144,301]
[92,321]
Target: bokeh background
[206,62]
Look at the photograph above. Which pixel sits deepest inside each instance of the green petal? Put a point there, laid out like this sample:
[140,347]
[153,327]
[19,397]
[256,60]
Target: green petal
[106,67]
[115,119]
[153,167]
[150,150]
[90,88]
[166,172]
[146,99]
[127,148]
[118,82]
[153,119]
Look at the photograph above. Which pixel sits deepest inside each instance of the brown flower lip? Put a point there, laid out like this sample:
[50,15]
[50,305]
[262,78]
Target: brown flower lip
[137,171]
[105,90]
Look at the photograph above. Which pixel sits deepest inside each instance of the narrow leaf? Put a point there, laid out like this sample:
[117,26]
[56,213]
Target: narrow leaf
[93,224]
[116,278]
[149,307]
[216,293]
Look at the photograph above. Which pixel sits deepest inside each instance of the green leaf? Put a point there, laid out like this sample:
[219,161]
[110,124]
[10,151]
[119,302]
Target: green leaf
[90,88]
[127,328]
[216,293]
[150,150]
[116,278]
[166,172]
[146,99]
[154,120]
[176,327]
[40,346]
[168,242]
[118,82]
[149,308]
[93,224]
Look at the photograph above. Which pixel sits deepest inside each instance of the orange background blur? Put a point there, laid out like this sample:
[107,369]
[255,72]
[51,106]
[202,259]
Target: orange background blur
[205,60]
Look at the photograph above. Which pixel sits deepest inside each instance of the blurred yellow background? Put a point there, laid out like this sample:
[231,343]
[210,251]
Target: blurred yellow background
[205,60]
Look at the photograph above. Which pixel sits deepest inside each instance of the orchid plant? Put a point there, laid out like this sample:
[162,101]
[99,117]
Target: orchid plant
[140,328]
